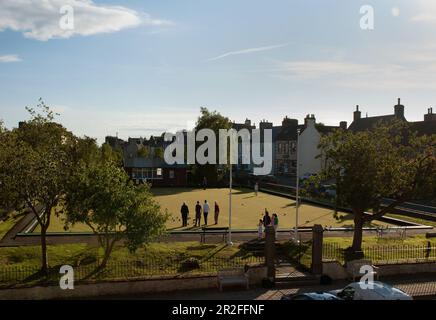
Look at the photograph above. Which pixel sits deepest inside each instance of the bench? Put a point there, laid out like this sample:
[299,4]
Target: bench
[429,235]
[224,231]
[391,232]
[233,276]
[353,268]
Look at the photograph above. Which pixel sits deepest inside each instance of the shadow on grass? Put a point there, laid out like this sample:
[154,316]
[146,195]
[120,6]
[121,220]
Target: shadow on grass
[289,205]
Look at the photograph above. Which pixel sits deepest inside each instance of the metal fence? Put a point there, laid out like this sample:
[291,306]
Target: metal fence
[384,254]
[125,270]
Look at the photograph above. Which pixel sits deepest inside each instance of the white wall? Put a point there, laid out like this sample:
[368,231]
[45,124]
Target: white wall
[308,150]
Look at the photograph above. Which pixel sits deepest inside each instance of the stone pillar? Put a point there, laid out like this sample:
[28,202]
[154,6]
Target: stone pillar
[270,252]
[317,237]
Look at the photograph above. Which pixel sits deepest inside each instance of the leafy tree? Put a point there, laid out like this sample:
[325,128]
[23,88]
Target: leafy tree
[388,162]
[142,152]
[35,163]
[215,121]
[103,197]
[159,152]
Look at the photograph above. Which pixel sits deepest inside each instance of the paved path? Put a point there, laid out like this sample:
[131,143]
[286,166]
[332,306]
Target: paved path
[420,287]
[12,240]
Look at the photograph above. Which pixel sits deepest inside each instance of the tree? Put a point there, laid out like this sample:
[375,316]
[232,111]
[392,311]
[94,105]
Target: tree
[215,121]
[388,162]
[103,197]
[36,160]
[142,152]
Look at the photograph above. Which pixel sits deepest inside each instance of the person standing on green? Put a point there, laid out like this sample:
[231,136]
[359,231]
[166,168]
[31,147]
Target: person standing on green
[184,210]
[275,222]
[198,214]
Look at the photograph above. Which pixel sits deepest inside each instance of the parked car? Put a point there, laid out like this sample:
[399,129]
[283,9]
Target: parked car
[330,190]
[311,296]
[362,291]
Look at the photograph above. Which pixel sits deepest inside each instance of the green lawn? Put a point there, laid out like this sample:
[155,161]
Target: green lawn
[19,265]
[247,209]
[412,219]
[415,240]
[6,225]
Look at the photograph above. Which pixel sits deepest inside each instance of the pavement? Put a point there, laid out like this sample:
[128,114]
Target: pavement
[420,287]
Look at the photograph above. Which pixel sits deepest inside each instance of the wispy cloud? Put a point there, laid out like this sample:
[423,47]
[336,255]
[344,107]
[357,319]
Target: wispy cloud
[247,51]
[319,69]
[39,19]
[9,58]
[425,11]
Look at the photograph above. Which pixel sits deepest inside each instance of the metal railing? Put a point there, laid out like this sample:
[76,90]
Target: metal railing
[384,254]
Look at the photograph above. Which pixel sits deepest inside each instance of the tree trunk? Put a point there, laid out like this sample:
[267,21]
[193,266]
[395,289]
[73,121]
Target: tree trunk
[358,231]
[44,257]
[107,252]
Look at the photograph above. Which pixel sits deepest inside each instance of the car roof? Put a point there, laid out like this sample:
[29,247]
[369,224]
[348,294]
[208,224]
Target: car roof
[380,288]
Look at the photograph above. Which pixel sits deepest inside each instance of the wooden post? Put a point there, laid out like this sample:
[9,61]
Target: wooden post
[270,252]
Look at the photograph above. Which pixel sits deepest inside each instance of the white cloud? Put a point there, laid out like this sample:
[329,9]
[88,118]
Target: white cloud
[246,51]
[39,19]
[425,11]
[415,72]
[319,69]
[9,58]
[127,123]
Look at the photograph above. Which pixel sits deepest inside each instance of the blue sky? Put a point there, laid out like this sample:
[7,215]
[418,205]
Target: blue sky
[142,67]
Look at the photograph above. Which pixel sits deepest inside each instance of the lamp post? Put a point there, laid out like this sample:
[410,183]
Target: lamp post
[297,193]
[229,238]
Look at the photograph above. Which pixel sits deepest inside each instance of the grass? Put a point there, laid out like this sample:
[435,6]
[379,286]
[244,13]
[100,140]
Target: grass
[413,240]
[21,264]
[247,209]
[11,220]
[413,219]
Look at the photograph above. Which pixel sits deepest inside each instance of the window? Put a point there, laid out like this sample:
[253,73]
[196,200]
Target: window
[147,173]
[347,293]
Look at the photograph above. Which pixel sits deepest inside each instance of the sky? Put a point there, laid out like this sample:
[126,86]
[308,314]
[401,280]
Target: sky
[136,68]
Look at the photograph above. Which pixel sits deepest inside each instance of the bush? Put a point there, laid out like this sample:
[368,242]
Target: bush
[190,264]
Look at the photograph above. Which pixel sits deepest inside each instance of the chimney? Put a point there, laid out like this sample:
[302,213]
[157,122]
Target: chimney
[343,125]
[309,120]
[357,114]
[247,122]
[399,110]
[287,122]
[265,125]
[430,116]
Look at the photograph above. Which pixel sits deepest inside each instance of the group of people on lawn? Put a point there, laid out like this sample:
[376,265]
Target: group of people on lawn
[205,209]
[266,221]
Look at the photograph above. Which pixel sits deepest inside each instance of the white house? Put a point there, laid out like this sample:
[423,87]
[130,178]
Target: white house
[309,158]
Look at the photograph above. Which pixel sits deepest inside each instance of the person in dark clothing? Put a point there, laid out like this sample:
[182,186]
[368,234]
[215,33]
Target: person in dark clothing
[198,214]
[204,183]
[184,210]
[266,219]
[217,212]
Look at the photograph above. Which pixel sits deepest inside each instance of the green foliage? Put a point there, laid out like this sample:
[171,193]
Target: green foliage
[159,152]
[142,152]
[215,121]
[103,197]
[390,161]
[37,160]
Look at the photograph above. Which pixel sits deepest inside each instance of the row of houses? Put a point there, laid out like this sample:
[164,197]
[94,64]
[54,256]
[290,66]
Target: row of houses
[143,158]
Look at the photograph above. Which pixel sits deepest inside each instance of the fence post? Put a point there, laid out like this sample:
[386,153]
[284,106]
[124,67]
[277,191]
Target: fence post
[317,240]
[270,252]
